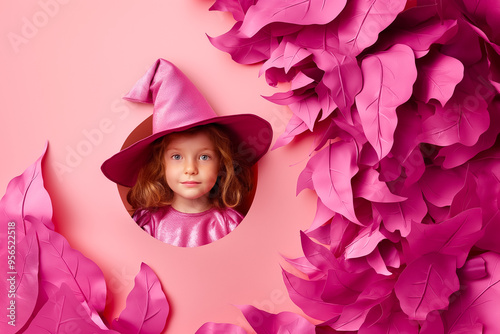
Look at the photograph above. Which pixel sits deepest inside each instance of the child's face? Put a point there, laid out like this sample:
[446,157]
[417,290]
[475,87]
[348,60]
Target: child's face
[191,167]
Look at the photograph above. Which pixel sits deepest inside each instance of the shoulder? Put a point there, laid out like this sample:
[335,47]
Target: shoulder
[147,216]
[231,214]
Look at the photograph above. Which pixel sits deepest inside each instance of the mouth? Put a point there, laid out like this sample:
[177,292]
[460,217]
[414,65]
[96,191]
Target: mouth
[190,183]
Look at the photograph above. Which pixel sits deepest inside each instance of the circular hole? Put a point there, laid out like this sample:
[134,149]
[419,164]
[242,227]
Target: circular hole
[144,130]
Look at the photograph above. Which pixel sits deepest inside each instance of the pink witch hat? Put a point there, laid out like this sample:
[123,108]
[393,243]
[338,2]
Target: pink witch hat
[178,106]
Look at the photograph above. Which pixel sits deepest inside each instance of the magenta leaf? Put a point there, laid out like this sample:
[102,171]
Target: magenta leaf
[236,7]
[20,282]
[303,265]
[388,81]
[244,50]
[366,241]
[366,184]
[361,21]
[399,216]
[307,110]
[395,323]
[61,264]
[294,127]
[426,284]
[342,233]
[454,237]
[433,180]
[63,313]
[457,154]
[303,12]
[27,200]
[317,254]
[217,328]
[147,307]
[437,78]
[332,170]
[323,214]
[464,118]
[306,295]
[284,322]
[477,303]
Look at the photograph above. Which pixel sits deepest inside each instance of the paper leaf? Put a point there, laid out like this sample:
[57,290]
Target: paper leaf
[236,7]
[317,255]
[284,322]
[464,118]
[244,50]
[307,110]
[147,308]
[21,272]
[457,154]
[477,303]
[306,295]
[303,12]
[366,241]
[440,186]
[304,266]
[61,264]
[426,284]
[63,313]
[399,216]
[454,236]
[332,170]
[27,200]
[295,127]
[342,233]
[438,76]
[217,328]
[388,82]
[395,323]
[361,22]
[366,184]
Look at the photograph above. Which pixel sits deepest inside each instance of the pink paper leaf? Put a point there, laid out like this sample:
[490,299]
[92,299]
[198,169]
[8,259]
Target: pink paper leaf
[306,295]
[433,180]
[399,216]
[244,50]
[217,328]
[307,110]
[454,237]
[304,266]
[342,233]
[366,184]
[426,284]
[332,170]
[284,322]
[395,323]
[388,82]
[317,254]
[408,128]
[366,241]
[361,22]
[457,154]
[26,200]
[303,12]
[477,303]
[147,307]
[61,264]
[236,7]
[295,127]
[323,214]
[464,118]
[20,281]
[63,313]
[437,78]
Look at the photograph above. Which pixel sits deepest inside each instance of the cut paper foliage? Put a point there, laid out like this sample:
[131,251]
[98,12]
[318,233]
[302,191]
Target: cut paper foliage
[284,322]
[147,308]
[57,288]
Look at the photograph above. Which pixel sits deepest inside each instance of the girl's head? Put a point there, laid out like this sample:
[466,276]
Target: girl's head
[197,165]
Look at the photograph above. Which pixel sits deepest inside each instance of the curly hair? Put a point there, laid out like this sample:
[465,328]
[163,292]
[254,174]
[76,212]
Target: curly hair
[234,180]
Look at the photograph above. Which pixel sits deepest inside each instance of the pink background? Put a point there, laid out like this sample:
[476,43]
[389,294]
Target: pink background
[64,67]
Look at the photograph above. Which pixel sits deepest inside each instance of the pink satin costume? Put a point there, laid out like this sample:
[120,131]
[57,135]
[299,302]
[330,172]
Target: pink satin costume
[187,229]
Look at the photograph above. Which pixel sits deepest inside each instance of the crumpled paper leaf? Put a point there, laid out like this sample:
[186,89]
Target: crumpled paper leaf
[147,308]
[438,75]
[331,171]
[426,284]
[303,12]
[284,322]
[388,81]
[63,313]
[475,305]
[219,328]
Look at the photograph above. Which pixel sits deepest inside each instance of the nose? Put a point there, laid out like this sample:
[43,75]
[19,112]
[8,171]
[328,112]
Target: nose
[191,167]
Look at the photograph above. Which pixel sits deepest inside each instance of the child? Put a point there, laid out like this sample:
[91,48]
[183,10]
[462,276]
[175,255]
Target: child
[188,177]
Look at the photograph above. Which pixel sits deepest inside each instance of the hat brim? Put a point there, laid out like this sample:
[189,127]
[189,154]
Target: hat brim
[250,134]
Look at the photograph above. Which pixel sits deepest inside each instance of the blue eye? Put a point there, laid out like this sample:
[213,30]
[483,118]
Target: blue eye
[204,157]
[176,157]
